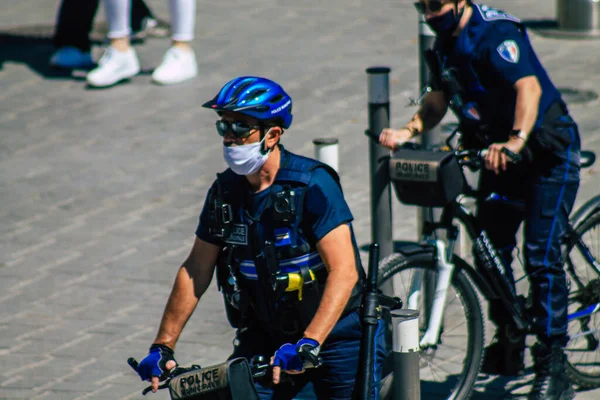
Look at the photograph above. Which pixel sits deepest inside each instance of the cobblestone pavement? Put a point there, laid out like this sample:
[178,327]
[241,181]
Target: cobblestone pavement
[100,190]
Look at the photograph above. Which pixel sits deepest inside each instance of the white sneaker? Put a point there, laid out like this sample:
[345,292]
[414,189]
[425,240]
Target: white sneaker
[177,66]
[71,57]
[113,67]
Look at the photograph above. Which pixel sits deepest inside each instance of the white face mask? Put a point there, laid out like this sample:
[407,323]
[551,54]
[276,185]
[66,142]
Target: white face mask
[246,159]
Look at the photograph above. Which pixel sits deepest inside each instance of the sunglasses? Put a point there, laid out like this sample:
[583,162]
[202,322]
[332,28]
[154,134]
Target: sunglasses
[432,6]
[241,130]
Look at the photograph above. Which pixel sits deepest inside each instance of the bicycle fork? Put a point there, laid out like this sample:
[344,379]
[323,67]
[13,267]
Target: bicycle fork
[435,306]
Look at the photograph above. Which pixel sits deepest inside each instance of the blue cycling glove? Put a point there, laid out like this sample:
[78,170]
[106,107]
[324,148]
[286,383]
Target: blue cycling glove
[154,364]
[304,354]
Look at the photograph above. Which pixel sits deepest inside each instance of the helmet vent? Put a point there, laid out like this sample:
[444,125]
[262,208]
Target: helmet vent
[276,99]
[255,93]
[239,90]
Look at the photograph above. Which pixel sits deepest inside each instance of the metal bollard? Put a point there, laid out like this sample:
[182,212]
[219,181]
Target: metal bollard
[381,194]
[434,136]
[579,16]
[426,40]
[327,151]
[405,331]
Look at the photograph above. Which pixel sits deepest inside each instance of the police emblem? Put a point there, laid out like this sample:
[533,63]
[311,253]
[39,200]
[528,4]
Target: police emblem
[509,50]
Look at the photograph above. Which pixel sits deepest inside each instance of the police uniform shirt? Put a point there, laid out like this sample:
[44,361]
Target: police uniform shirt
[491,54]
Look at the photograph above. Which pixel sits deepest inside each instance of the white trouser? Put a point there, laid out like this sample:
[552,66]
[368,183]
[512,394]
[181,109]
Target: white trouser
[183,18]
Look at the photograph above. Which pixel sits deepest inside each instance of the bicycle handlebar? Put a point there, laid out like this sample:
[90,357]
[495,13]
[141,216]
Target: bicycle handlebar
[588,158]
[465,157]
[259,367]
[474,158]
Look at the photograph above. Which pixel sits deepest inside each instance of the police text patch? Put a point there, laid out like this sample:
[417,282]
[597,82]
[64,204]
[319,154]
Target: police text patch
[491,14]
[509,50]
[239,235]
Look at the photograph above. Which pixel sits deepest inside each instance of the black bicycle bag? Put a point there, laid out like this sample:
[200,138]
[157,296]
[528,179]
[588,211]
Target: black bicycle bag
[426,178]
[231,380]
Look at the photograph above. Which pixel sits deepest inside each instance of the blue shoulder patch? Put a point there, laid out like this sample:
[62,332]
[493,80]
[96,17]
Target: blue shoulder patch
[491,14]
[509,50]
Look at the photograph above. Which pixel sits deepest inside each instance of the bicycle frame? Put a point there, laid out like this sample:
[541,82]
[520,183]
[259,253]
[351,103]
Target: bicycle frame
[445,271]
[489,275]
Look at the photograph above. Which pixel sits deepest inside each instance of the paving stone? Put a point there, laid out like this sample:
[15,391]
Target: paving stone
[101,189]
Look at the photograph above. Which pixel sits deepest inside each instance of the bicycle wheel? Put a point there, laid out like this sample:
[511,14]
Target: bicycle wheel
[583,349]
[449,369]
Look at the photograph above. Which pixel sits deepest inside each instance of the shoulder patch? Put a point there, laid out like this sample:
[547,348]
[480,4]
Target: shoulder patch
[491,14]
[509,50]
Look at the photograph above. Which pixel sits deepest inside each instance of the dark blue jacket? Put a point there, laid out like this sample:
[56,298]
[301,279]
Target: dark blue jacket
[490,55]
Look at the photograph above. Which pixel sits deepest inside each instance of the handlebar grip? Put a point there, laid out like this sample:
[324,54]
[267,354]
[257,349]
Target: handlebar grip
[587,158]
[133,363]
[399,143]
[375,137]
[145,391]
[372,135]
[516,158]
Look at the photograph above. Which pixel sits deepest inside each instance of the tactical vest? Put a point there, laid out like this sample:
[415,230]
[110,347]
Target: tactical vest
[268,270]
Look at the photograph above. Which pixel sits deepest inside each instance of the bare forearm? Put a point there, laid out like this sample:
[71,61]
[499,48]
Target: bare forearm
[179,308]
[528,100]
[430,114]
[335,297]
[430,117]
[192,280]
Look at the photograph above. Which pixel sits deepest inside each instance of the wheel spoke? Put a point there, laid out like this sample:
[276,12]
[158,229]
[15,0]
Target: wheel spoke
[449,364]
[583,349]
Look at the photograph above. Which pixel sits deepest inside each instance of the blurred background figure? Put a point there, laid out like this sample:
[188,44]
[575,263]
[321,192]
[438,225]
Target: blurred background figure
[73,26]
[120,60]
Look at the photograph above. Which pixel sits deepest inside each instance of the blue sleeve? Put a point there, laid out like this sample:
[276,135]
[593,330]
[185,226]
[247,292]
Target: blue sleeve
[509,54]
[325,207]
[203,222]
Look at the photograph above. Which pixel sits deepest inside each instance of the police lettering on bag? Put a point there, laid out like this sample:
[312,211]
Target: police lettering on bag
[411,170]
[239,234]
[204,380]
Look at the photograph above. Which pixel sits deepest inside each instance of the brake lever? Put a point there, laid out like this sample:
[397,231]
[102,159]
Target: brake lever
[259,367]
[163,385]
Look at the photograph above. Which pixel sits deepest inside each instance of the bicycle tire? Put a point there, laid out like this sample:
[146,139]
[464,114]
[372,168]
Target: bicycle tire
[585,379]
[461,389]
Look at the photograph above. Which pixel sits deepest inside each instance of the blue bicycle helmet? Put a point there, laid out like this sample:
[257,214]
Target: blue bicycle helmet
[257,97]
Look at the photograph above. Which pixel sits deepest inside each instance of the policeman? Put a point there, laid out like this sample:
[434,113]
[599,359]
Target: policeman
[278,230]
[486,71]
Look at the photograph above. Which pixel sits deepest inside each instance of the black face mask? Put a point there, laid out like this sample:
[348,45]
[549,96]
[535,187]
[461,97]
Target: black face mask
[445,23]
